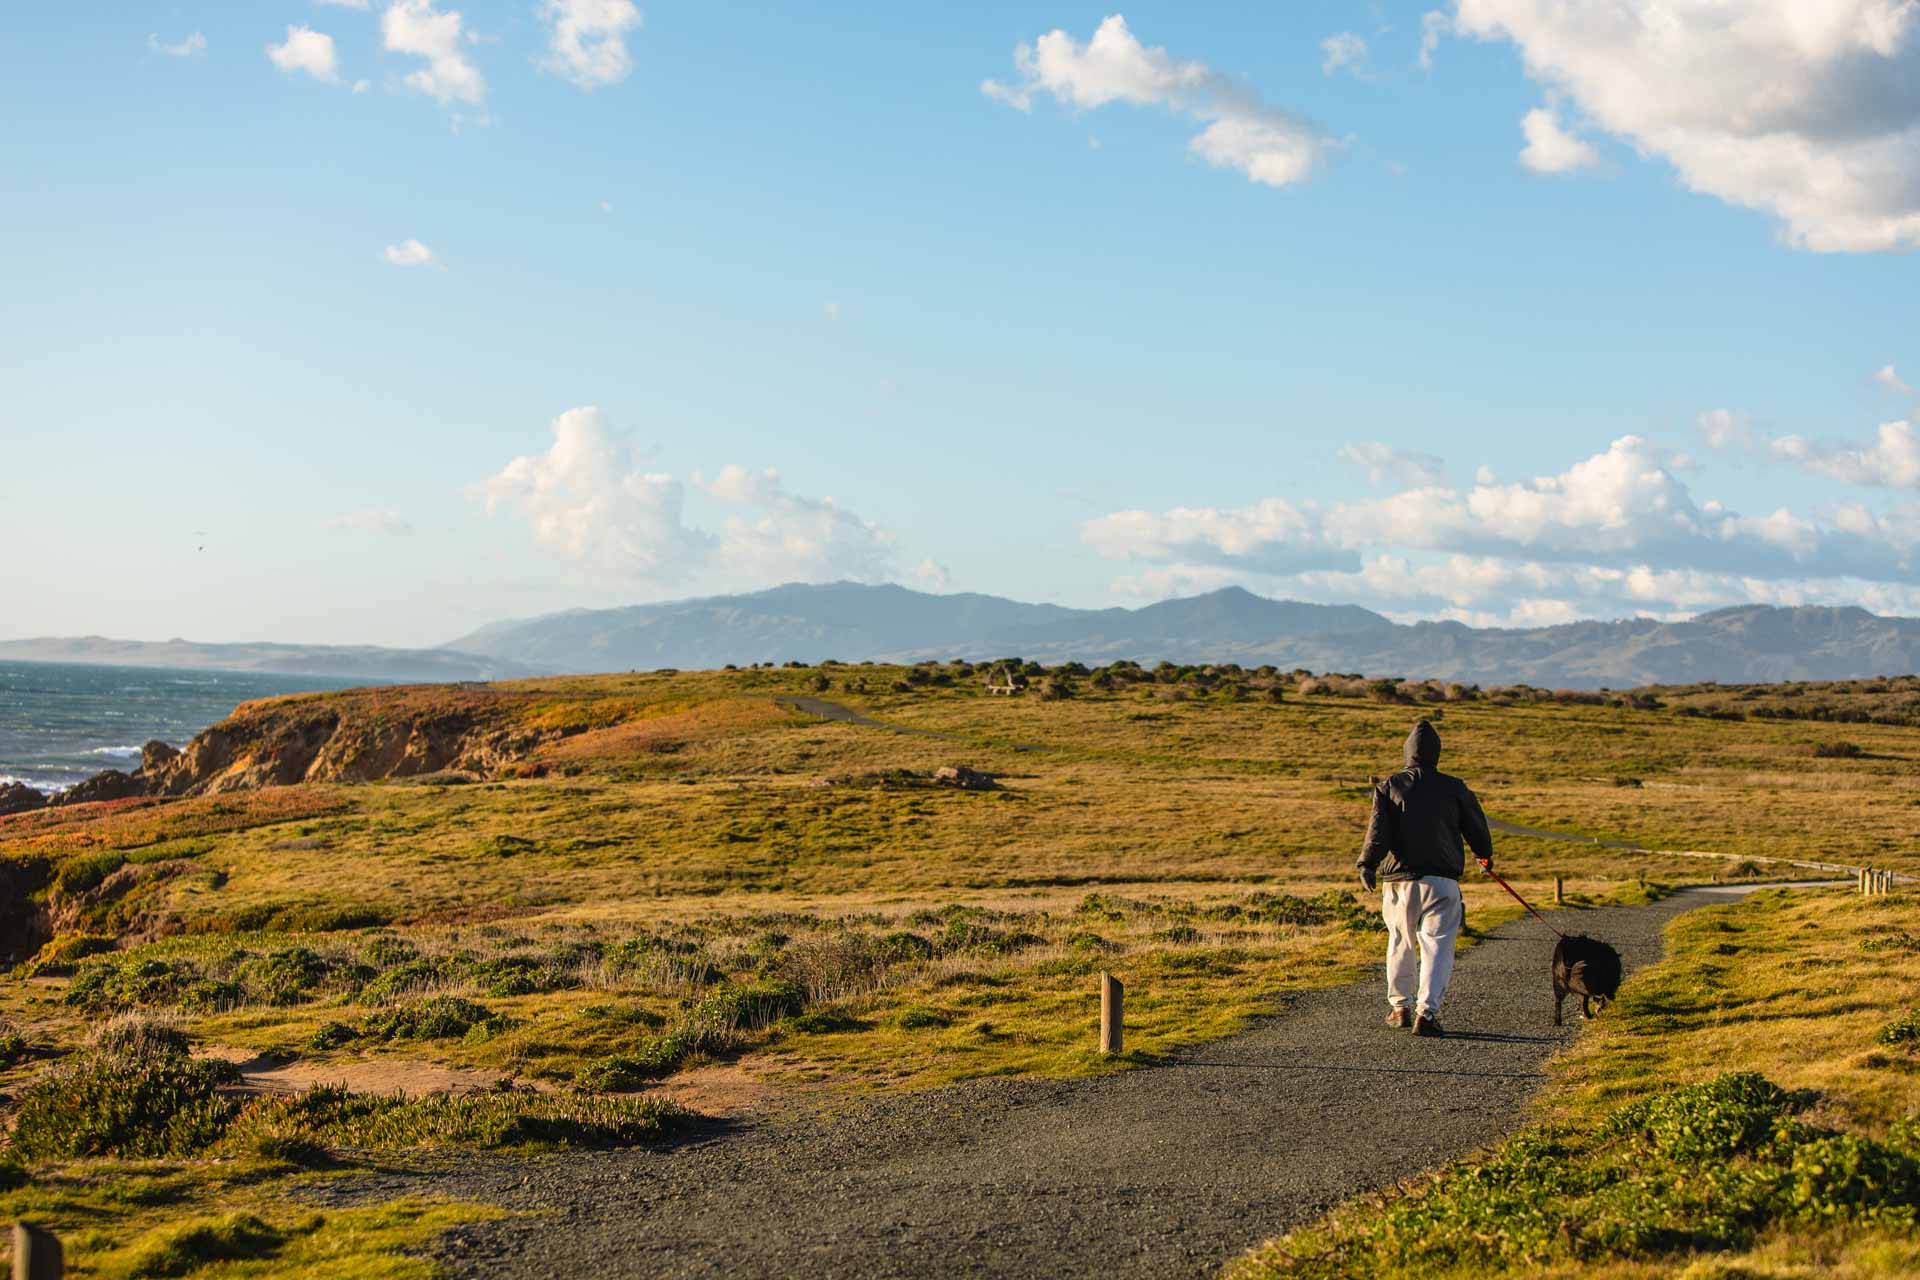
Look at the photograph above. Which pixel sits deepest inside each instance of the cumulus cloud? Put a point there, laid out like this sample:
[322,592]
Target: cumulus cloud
[1891,460]
[1550,148]
[1805,109]
[1270,146]
[588,499]
[1619,531]
[415,27]
[775,535]
[1342,49]
[587,40]
[932,575]
[1725,429]
[306,50]
[1385,464]
[390,523]
[191,47]
[1272,536]
[1887,378]
[411,253]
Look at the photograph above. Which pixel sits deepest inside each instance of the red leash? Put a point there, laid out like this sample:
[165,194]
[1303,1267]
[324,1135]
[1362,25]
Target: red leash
[1517,898]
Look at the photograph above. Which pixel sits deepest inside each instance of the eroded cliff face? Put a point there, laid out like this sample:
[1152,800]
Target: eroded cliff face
[359,736]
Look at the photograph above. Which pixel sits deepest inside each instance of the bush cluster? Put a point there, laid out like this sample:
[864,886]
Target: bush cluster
[1696,1169]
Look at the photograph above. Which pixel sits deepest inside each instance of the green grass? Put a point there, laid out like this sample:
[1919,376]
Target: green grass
[1737,1111]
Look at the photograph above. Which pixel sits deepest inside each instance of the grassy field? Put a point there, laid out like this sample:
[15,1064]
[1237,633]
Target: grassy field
[659,880]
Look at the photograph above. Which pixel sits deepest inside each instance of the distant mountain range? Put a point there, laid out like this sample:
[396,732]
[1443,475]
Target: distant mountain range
[347,662]
[853,622]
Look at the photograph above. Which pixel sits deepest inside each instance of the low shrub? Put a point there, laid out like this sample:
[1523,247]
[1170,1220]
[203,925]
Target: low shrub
[920,1017]
[84,873]
[332,1035]
[506,1118]
[827,1022]
[1838,750]
[749,1007]
[186,1247]
[1903,1032]
[435,1018]
[13,1045]
[617,1073]
[134,1094]
[901,947]
[59,956]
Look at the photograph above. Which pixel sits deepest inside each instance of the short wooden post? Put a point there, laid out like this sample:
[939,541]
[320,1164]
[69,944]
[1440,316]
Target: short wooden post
[1559,891]
[1113,1000]
[1863,882]
[36,1253]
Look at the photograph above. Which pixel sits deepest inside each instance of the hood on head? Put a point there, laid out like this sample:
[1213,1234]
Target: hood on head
[1423,746]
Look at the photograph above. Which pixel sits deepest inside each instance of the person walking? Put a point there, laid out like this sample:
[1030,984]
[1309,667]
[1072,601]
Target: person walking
[1423,821]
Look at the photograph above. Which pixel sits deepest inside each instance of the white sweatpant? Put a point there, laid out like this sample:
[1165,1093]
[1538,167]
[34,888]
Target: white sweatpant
[1423,919]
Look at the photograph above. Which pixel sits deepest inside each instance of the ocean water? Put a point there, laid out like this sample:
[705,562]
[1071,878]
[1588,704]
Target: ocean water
[62,722]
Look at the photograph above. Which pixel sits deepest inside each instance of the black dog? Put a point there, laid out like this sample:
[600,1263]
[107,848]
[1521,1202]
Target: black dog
[1584,967]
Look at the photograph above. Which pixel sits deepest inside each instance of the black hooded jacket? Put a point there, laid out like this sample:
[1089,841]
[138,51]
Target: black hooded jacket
[1421,816]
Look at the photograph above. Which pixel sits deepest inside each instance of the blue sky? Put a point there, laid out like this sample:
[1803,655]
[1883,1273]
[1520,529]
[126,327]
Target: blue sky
[1562,323]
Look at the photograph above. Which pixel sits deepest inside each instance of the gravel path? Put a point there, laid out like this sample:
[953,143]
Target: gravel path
[1161,1171]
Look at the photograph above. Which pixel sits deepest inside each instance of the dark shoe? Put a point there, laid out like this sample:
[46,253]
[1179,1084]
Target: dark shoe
[1400,1018]
[1425,1026]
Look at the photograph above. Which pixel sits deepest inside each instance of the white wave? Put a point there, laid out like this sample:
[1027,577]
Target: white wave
[114,751]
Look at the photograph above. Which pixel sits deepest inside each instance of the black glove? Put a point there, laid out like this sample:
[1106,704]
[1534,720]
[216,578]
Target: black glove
[1369,878]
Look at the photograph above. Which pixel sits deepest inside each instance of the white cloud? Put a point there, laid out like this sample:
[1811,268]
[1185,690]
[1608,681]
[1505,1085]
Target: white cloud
[1550,148]
[411,253]
[1272,536]
[361,5]
[779,536]
[932,575]
[416,27]
[361,86]
[390,523]
[1434,24]
[1725,429]
[587,44]
[1383,463]
[307,50]
[831,310]
[588,500]
[1891,461]
[1805,109]
[1887,378]
[191,47]
[1270,146]
[1618,532]
[1342,49]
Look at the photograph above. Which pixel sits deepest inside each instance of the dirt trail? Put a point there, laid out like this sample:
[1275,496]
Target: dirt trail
[1162,1171]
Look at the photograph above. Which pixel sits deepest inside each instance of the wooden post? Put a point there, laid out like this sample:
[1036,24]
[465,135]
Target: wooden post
[36,1253]
[1559,891]
[1113,1000]
[1863,882]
